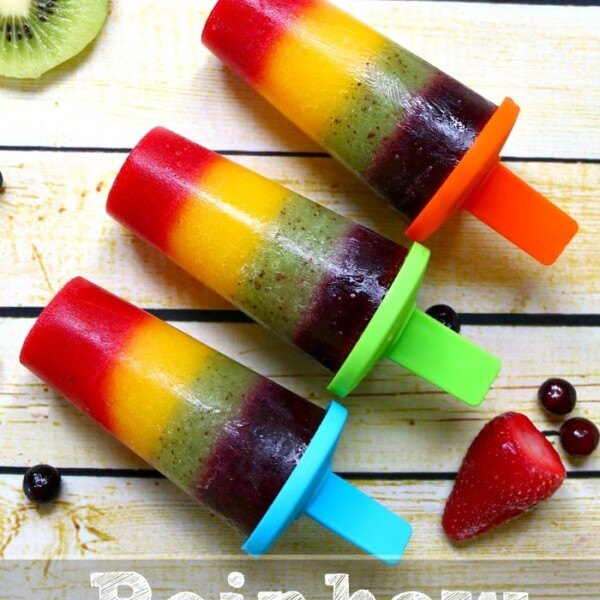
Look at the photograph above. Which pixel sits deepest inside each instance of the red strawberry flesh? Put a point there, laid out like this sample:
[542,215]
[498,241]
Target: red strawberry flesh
[509,468]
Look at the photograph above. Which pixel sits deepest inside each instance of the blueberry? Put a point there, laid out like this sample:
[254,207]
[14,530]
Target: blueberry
[445,315]
[557,396]
[41,483]
[579,436]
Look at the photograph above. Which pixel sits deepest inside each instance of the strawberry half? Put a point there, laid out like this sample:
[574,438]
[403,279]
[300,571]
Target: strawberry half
[509,468]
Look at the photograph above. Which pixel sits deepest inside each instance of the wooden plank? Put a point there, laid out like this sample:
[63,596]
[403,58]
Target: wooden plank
[52,213]
[397,423]
[151,519]
[139,73]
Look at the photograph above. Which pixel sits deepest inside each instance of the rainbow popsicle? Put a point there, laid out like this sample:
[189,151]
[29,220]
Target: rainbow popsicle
[250,450]
[306,273]
[420,139]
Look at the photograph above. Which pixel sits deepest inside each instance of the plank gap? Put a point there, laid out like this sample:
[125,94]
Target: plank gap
[349,475]
[278,153]
[190,315]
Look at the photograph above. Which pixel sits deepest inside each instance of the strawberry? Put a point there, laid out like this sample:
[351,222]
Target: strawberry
[509,468]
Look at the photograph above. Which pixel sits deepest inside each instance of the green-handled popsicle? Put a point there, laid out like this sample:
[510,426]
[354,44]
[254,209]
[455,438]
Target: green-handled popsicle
[336,290]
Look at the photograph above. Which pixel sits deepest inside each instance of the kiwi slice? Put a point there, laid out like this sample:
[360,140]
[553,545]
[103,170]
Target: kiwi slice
[37,35]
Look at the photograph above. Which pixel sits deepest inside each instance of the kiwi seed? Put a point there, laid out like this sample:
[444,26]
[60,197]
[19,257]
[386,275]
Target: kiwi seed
[37,35]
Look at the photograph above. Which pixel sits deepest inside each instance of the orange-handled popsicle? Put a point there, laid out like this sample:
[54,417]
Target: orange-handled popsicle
[420,139]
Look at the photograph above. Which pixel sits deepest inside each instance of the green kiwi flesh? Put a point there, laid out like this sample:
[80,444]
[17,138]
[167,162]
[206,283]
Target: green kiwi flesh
[38,35]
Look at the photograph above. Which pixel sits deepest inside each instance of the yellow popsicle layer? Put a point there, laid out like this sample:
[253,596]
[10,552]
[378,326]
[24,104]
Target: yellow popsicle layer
[222,222]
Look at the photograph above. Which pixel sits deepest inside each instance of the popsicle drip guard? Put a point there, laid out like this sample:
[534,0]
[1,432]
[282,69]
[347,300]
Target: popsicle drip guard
[314,490]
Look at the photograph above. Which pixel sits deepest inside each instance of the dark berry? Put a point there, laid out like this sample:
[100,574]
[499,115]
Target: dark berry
[1,180]
[579,436]
[557,396]
[41,483]
[445,315]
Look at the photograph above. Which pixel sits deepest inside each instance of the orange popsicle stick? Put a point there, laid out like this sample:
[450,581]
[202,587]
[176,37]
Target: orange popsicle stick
[522,215]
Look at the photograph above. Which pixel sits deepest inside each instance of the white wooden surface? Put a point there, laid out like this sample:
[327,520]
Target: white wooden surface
[142,70]
[57,140]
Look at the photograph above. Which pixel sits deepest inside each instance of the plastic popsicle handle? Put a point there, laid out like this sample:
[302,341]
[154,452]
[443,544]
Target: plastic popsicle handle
[522,215]
[446,359]
[312,489]
[350,513]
